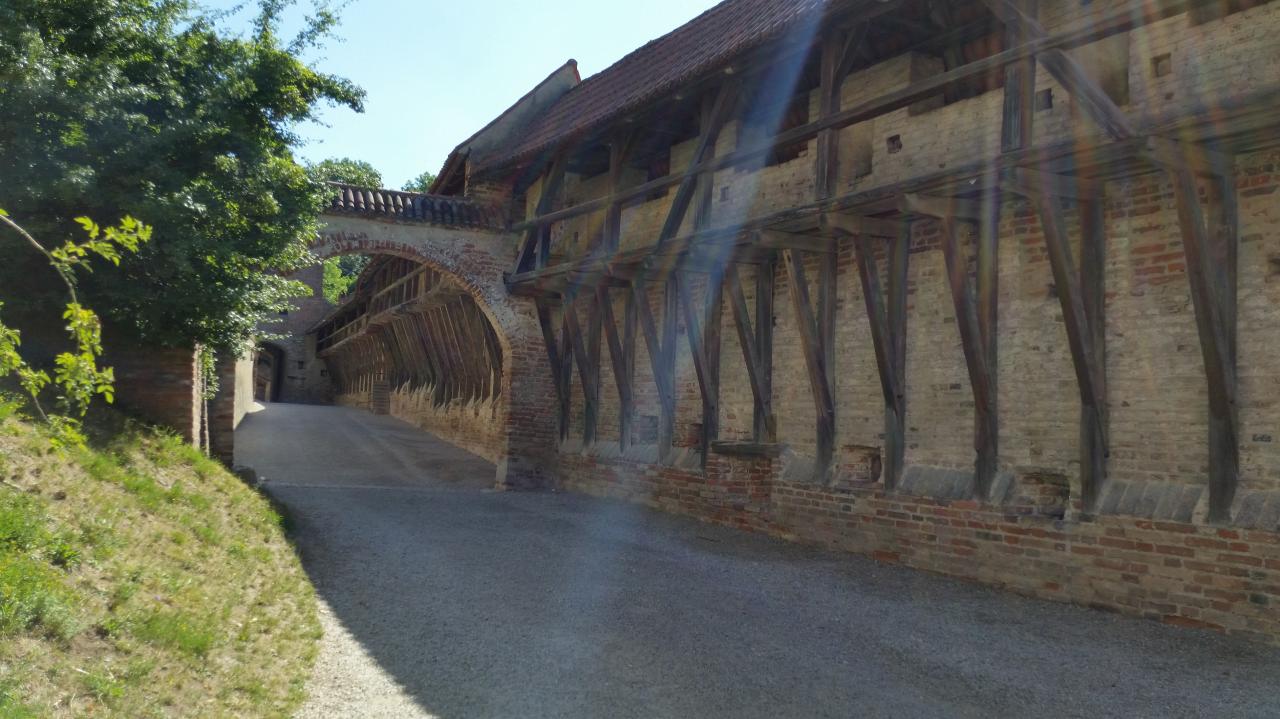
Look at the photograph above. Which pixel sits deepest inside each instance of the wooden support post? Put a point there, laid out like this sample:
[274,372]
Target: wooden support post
[1211,251]
[1064,68]
[827,164]
[659,351]
[716,118]
[971,340]
[988,314]
[619,151]
[888,340]
[896,421]
[536,247]
[814,346]
[1077,314]
[1019,89]
[622,355]
[701,362]
[1094,421]
[555,362]
[764,423]
[588,372]
[749,342]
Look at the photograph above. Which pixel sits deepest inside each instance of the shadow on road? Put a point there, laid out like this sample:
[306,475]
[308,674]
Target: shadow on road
[474,603]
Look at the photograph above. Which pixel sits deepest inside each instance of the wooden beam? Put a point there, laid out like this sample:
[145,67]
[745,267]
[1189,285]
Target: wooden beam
[701,363]
[1124,19]
[1095,420]
[553,358]
[621,375]
[971,341]
[535,249]
[663,373]
[881,343]
[717,117]
[620,148]
[940,207]
[1019,89]
[1064,68]
[588,373]
[896,417]
[827,162]
[749,344]
[1212,290]
[1188,155]
[869,226]
[1025,181]
[813,346]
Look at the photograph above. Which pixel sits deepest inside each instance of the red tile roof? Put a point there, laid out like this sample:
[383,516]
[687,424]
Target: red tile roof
[710,40]
[413,207]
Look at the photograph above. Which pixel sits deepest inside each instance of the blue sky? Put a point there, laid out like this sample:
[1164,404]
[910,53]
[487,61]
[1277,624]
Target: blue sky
[435,72]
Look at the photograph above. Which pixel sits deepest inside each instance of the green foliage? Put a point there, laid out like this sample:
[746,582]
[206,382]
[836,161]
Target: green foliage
[76,374]
[347,171]
[150,108]
[421,183]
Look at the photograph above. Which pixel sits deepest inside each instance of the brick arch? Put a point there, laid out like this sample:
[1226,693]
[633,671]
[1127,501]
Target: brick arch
[476,260]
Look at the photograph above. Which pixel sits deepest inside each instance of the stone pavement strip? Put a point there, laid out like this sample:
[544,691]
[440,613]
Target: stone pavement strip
[443,598]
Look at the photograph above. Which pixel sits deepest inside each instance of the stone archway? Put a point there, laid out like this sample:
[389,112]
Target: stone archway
[476,260]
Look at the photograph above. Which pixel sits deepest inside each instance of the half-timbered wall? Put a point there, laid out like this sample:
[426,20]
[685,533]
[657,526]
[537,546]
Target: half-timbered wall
[1103,357]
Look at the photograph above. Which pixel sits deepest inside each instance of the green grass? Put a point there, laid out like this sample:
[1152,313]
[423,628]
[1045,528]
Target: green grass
[138,578]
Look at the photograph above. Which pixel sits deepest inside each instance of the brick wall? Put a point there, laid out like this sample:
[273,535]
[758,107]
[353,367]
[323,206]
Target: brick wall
[161,384]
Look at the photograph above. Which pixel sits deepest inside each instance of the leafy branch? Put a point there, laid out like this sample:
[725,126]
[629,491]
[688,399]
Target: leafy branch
[76,373]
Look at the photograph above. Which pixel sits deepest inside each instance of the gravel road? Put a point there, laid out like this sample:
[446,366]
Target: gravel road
[445,599]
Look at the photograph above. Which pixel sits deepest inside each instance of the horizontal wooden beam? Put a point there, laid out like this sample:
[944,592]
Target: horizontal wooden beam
[940,207]
[1124,19]
[1175,155]
[1034,183]
[862,226]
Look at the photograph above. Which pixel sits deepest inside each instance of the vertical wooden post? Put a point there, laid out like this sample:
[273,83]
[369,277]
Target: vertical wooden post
[764,425]
[896,419]
[1019,89]
[1093,291]
[814,347]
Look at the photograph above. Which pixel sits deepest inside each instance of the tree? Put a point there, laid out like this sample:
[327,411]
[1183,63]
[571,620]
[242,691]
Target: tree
[148,108]
[421,183]
[347,171]
[78,376]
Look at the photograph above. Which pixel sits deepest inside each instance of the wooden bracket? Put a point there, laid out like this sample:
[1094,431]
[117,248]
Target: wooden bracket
[815,342]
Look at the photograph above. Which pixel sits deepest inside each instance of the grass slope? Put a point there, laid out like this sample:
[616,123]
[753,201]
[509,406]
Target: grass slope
[139,578]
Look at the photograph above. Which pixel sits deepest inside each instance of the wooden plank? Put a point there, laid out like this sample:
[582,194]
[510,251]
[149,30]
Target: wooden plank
[629,363]
[814,352]
[712,331]
[827,162]
[670,315]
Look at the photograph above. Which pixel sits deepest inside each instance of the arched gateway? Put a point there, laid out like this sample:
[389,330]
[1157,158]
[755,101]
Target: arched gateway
[440,332]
